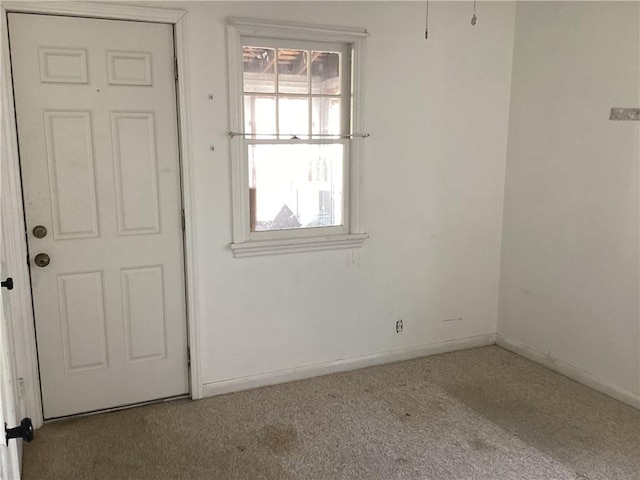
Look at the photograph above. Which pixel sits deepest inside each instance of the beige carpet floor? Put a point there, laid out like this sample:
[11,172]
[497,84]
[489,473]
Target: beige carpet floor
[477,414]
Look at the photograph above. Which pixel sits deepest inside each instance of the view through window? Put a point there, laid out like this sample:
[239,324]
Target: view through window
[295,113]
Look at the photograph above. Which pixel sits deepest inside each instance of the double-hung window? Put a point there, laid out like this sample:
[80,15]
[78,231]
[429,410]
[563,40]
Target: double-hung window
[295,136]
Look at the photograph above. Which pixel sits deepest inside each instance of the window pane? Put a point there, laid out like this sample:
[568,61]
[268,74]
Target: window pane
[293,116]
[295,186]
[292,71]
[326,115]
[259,69]
[259,114]
[325,73]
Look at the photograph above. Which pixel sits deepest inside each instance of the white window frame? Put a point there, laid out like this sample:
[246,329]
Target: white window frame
[350,235]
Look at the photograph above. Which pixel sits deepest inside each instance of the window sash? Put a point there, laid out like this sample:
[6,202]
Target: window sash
[299,232]
[346,77]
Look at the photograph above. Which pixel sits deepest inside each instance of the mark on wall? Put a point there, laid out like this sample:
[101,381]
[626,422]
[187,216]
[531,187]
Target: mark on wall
[618,113]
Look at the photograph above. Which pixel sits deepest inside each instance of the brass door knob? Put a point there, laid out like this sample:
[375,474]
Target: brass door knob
[42,260]
[39,231]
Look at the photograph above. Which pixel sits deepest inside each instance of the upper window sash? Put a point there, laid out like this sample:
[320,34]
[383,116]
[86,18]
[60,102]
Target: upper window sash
[302,34]
[343,96]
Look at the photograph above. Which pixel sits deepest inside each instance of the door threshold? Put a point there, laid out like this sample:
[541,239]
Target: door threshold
[116,409]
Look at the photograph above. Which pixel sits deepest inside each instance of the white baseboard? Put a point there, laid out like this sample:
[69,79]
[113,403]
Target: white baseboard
[343,365]
[575,373]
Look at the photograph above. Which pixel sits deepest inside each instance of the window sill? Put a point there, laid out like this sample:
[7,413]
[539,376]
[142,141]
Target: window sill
[297,245]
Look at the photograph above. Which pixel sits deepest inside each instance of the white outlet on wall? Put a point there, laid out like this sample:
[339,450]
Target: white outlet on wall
[399,326]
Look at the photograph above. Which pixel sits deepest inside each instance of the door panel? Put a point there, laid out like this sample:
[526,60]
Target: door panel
[129,68]
[82,320]
[134,151]
[72,181]
[144,313]
[63,65]
[97,128]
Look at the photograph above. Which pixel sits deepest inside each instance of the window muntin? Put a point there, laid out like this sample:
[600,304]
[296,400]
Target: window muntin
[294,99]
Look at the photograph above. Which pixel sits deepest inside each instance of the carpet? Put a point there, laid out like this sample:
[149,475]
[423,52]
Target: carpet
[482,413]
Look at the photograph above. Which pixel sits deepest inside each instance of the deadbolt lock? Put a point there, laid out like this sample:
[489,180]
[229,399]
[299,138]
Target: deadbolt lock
[39,231]
[42,260]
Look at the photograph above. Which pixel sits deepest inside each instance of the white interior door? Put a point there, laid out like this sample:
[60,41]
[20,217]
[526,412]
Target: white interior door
[97,130]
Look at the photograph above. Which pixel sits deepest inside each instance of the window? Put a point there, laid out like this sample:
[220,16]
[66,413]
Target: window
[295,120]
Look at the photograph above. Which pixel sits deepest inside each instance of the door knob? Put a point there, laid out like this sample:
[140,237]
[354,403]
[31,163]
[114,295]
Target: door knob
[42,260]
[24,431]
[8,283]
[39,231]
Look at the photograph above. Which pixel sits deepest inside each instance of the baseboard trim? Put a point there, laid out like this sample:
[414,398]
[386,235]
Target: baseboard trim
[571,371]
[344,365]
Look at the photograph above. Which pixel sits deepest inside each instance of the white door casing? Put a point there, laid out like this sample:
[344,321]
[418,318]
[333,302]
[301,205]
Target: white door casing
[98,139]
[9,454]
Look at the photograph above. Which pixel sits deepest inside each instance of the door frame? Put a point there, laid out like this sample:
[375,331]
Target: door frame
[24,334]
[11,454]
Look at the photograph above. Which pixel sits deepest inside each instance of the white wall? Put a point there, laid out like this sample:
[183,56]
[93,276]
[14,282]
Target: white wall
[570,261]
[432,194]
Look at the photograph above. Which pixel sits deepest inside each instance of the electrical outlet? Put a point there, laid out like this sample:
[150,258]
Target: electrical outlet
[399,326]
[20,387]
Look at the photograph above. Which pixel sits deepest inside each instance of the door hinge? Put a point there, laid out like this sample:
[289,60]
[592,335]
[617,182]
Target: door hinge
[184,222]
[175,68]
[188,356]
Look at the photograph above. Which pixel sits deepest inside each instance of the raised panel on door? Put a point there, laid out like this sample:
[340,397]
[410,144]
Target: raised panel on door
[129,68]
[144,313]
[82,318]
[135,162]
[63,65]
[69,139]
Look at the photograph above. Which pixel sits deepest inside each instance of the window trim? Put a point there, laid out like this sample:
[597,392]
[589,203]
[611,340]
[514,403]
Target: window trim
[303,240]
